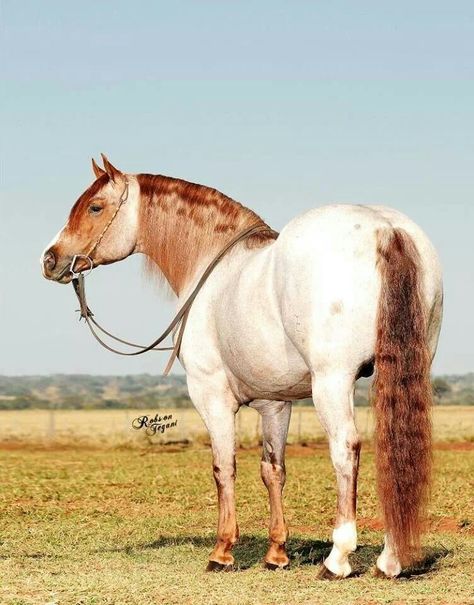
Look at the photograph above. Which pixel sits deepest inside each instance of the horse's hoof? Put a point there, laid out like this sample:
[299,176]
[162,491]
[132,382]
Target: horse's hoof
[326,574]
[378,573]
[216,566]
[275,566]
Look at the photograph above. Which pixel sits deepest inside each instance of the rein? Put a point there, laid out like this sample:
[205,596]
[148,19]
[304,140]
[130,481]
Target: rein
[179,319]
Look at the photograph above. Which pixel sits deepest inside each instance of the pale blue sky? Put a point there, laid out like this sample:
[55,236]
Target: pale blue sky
[281,105]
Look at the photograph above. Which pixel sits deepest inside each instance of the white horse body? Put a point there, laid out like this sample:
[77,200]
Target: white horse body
[342,289]
[303,305]
[295,319]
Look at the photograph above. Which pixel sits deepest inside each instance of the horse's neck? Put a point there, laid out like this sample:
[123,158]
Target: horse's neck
[183,226]
[225,272]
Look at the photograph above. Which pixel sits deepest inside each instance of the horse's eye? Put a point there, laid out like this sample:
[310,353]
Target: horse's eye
[95,209]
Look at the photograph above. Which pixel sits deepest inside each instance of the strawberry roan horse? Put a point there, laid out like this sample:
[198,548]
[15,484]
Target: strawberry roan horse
[342,290]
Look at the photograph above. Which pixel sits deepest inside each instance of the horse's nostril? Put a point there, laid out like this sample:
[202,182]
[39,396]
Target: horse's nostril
[49,260]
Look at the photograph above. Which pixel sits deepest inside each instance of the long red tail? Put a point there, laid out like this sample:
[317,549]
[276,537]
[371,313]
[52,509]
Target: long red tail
[402,395]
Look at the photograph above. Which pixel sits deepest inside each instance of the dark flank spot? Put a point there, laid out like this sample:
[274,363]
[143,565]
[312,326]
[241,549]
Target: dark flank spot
[181,212]
[336,307]
[357,226]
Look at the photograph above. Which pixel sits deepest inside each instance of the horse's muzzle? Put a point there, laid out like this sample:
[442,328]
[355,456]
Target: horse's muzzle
[54,270]
[49,261]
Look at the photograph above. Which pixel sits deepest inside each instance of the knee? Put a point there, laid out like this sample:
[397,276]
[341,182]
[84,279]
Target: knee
[346,444]
[353,443]
[224,474]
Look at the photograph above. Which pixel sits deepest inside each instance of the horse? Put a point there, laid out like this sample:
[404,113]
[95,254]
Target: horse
[343,291]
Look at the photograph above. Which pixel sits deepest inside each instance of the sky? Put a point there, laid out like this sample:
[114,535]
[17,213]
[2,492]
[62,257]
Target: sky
[284,106]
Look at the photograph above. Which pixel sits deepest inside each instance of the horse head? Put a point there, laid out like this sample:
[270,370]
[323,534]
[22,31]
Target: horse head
[101,228]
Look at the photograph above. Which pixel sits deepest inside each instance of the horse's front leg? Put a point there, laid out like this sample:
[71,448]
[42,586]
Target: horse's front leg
[218,413]
[275,422]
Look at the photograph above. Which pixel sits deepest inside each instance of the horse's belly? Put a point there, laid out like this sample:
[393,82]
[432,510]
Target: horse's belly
[268,372]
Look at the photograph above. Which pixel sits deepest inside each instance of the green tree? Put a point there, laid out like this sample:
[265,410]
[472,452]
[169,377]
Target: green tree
[441,388]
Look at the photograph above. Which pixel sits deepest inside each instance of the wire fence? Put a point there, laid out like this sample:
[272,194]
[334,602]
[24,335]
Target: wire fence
[184,426]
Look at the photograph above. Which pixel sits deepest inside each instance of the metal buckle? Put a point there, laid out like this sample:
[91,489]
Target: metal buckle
[73,262]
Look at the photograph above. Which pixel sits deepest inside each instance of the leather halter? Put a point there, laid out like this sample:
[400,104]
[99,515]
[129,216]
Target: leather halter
[179,320]
[93,247]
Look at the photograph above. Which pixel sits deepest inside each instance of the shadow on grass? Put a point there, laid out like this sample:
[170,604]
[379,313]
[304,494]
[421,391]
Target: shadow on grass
[250,550]
[163,542]
[431,561]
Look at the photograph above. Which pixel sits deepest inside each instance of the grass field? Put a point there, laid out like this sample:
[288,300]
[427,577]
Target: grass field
[130,526]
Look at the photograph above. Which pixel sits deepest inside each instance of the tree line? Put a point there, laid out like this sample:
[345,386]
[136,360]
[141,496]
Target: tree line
[143,391]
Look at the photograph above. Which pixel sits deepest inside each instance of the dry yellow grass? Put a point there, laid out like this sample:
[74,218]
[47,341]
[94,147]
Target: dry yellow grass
[114,427]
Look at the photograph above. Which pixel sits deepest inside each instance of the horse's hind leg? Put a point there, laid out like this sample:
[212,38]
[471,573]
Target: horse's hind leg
[333,399]
[275,422]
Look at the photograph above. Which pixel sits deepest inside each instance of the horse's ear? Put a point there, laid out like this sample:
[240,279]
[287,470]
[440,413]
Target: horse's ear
[98,171]
[109,169]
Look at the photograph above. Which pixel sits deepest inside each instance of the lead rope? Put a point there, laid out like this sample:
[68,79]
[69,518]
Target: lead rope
[179,320]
